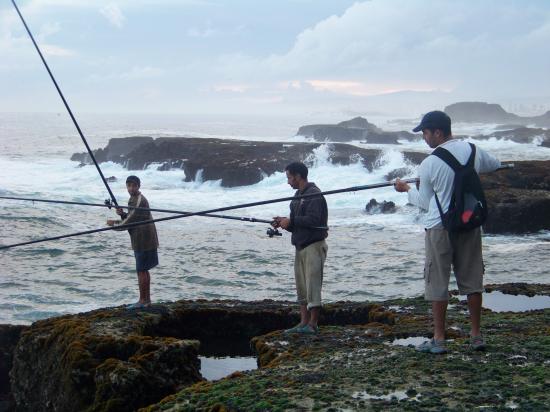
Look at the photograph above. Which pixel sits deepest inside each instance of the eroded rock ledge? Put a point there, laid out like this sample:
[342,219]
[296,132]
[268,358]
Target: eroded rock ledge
[120,360]
[357,367]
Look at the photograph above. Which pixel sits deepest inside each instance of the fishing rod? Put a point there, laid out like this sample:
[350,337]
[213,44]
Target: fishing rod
[219,209]
[66,105]
[178,212]
[271,232]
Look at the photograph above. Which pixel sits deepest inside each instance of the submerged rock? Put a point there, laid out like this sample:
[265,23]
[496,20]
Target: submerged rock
[384,207]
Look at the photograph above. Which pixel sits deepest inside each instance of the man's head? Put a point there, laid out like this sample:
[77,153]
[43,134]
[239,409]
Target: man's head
[296,175]
[132,185]
[435,127]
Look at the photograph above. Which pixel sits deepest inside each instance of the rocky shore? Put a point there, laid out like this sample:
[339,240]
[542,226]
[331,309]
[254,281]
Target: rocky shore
[119,360]
[518,198]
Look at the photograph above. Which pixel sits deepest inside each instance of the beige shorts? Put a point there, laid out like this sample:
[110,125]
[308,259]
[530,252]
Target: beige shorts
[463,253]
[308,272]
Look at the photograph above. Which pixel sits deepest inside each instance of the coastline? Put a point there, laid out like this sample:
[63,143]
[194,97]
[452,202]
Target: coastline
[115,359]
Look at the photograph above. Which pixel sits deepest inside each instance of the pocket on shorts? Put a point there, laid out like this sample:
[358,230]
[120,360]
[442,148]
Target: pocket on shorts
[427,271]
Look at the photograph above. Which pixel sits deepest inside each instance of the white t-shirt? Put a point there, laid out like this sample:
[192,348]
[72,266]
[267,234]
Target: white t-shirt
[437,177]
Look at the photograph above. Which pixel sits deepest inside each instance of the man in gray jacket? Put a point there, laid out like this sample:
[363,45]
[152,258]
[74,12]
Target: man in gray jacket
[461,250]
[308,224]
[143,237]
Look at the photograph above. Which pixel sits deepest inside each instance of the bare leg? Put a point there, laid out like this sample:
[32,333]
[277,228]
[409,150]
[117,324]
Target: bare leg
[304,315]
[474,306]
[314,315]
[144,280]
[439,310]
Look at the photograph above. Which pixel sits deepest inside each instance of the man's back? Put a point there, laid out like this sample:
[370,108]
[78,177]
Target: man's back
[437,177]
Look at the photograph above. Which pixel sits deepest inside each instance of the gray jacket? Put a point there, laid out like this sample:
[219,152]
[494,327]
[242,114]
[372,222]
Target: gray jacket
[305,214]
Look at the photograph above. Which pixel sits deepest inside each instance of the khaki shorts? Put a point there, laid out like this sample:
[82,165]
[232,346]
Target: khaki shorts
[463,253]
[308,272]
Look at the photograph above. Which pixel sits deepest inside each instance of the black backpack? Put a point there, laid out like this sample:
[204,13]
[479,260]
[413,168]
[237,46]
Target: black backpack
[468,207]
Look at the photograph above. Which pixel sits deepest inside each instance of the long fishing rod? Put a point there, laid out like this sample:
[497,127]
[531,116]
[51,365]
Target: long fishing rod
[219,209]
[66,105]
[178,212]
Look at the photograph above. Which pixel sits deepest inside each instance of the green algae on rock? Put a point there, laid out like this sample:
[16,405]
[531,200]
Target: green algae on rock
[355,367]
[119,360]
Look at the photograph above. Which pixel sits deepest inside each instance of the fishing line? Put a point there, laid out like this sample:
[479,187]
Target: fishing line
[66,105]
[220,209]
[178,212]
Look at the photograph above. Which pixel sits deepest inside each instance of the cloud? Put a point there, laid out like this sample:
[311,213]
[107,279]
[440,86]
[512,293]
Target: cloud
[391,45]
[113,14]
[52,50]
[135,73]
[235,88]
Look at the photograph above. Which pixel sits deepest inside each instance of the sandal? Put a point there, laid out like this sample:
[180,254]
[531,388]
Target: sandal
[477,343]
[432,346]
[138,305]
[310,330]
[296,329]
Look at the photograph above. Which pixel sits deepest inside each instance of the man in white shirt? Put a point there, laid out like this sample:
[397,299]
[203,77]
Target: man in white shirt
[461,250]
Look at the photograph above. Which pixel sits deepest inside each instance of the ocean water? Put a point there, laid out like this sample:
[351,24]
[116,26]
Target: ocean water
[371,257]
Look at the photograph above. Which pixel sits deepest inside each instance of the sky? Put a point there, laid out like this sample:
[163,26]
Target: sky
[392,57]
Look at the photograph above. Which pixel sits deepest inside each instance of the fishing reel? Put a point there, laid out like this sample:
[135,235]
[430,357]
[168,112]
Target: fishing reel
[108,203]
[273,232]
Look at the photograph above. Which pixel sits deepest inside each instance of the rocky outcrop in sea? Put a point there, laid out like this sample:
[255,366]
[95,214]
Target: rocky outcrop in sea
[518,198]
[121,360]
[234,162]
[481,112]
[357,128]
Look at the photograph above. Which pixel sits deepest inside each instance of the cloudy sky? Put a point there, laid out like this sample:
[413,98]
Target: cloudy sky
[280,56]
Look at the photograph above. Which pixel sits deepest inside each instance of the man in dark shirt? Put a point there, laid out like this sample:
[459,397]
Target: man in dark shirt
[308,224]
[144,239]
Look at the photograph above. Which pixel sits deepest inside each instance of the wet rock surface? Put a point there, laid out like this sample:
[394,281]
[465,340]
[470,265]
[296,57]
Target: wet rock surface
[520,135]
[380,207]
[234,162]
[356,366]
[518,198]
[9,336]
[119,359]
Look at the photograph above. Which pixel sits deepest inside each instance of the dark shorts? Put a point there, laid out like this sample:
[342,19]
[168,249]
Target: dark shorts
[146,260]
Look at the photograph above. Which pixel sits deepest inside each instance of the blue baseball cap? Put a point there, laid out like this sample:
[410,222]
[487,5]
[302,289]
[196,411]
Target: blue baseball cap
[434,120]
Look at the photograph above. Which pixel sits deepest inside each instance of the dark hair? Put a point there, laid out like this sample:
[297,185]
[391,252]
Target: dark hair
[446,130]
[133,179]
[297,168]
